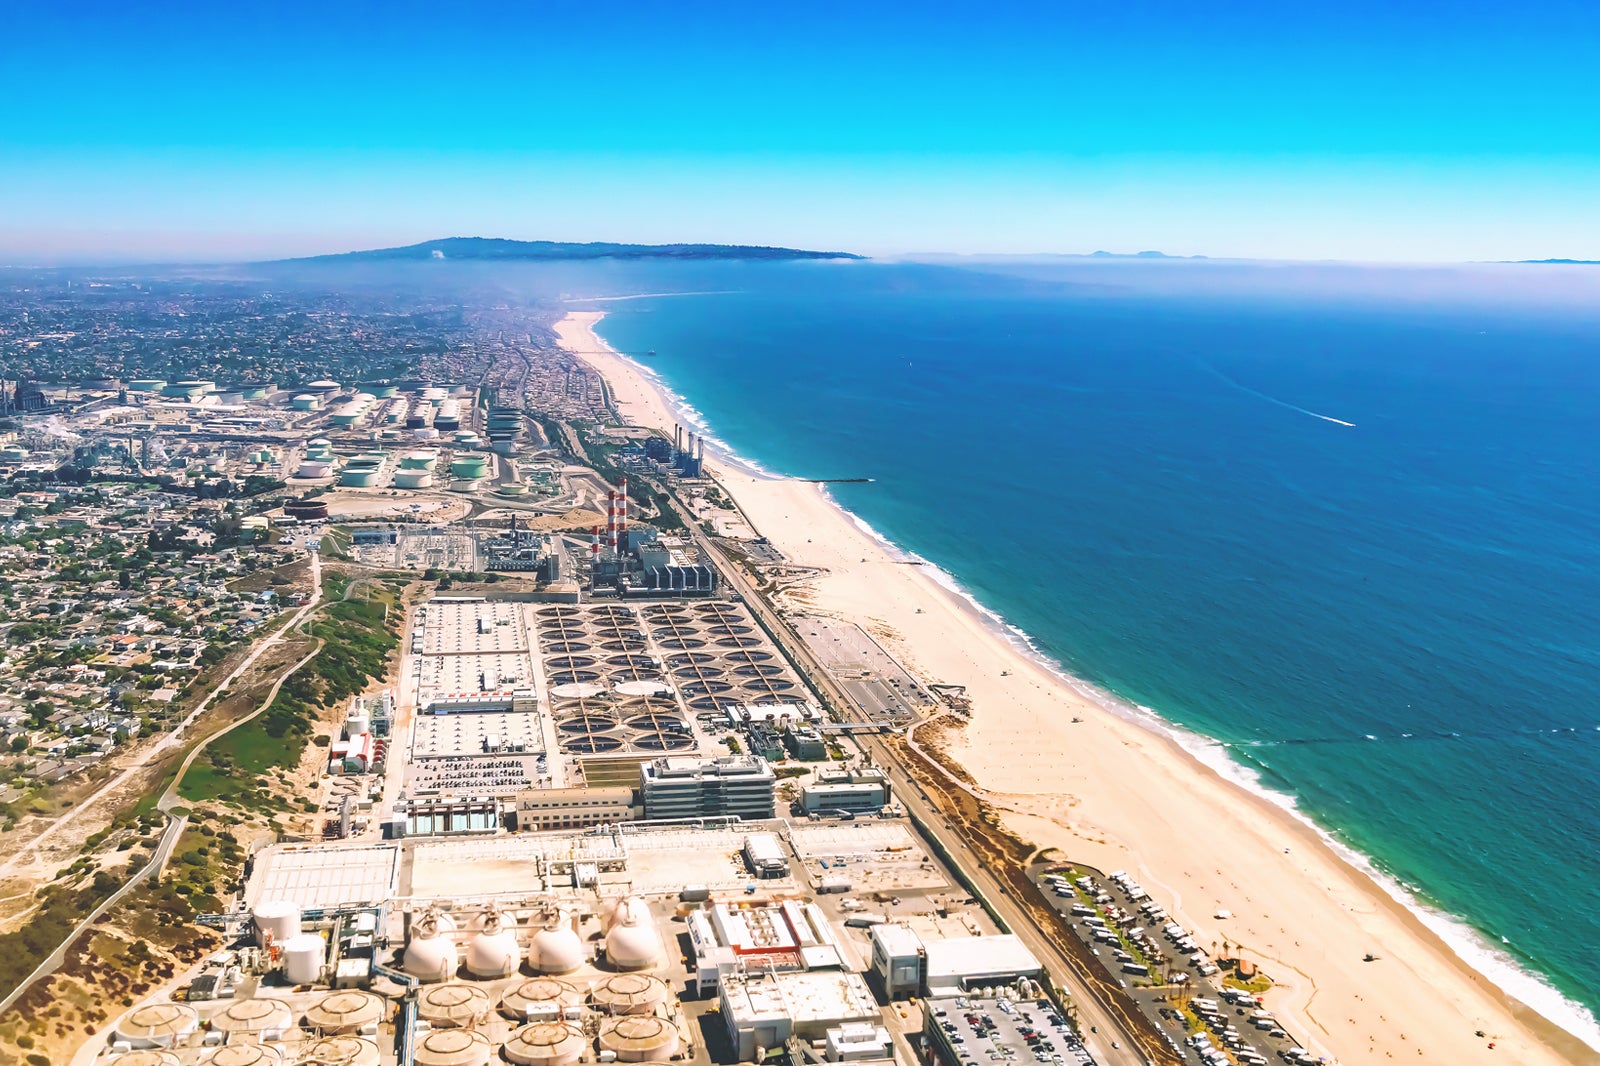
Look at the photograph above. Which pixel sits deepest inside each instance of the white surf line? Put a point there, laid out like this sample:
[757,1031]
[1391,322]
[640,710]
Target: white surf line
[1275,400]
[646,296]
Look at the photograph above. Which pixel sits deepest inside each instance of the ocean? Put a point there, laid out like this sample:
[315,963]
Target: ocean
[1342,522]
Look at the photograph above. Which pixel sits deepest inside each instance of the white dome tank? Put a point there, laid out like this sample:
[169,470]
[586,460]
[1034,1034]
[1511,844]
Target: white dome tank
[639,1038]
[493,952]
[629,993]
[556,947]
[554,1043]
[303,956]
[632,942]
[430,953]
[278,917]
[453,1004]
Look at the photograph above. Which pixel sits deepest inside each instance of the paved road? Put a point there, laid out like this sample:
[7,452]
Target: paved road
[1100,1029]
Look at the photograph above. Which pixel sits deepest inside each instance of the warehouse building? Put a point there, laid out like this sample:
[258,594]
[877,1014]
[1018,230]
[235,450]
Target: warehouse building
[575,808]
[763,1010]
[905,963]
[857,791]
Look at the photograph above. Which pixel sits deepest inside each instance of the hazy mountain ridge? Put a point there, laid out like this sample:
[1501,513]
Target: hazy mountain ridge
[481,248]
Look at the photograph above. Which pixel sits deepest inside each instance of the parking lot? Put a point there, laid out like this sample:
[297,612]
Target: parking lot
[870,675]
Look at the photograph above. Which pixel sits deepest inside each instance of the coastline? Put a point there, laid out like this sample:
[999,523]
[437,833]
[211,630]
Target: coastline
[1124,788]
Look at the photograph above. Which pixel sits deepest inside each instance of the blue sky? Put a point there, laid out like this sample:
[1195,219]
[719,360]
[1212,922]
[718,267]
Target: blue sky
[1417,131]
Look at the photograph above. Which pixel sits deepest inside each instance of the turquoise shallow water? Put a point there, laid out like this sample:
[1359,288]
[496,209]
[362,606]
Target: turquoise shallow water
[1395,620]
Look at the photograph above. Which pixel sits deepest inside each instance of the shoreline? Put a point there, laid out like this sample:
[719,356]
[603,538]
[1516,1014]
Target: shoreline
[1127,788]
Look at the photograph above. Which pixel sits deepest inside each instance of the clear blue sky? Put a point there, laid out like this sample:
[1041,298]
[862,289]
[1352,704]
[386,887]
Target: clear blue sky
[1420,130]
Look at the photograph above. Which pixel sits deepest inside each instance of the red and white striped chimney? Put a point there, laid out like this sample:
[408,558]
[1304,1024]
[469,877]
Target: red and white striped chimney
[611,520]
[622,513]
[594,543]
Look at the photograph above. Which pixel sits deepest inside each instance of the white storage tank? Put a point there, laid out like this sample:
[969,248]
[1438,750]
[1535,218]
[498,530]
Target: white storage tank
[148,1058]
[303,957]
[253,1016]
[556,948]
[343,1051]
[277,919]
[493,951]
[413,479]
[542,999]
[355,725]
[632,942]
[453,1004]
[554,1043]
[629,993]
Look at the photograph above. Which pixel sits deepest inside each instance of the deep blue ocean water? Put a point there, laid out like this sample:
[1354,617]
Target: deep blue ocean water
[1395,621]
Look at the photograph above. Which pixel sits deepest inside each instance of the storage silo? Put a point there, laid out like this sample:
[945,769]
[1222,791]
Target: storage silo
[469,467]
[303,957]
[453,1004]
[452,1047]
[413,479]
[639,1038]
[279,918]
[305,402]
[421,459]
[493,951]
[553,1043]
[157,1025]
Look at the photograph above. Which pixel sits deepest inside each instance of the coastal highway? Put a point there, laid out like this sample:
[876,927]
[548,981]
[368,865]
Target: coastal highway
[1107,1039]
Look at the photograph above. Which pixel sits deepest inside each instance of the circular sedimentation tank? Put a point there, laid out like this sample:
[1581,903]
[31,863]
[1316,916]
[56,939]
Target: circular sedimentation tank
[343,1051]
[639,1038]
[148,1057]
[345,1012]
[253,1016]
[244,1055]
[550,1043]
[453,1047]
[157,1024]
[453,1004]
[629,993]
[542,996]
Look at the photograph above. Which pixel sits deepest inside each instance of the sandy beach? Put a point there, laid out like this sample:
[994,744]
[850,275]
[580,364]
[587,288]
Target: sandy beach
[1111,793]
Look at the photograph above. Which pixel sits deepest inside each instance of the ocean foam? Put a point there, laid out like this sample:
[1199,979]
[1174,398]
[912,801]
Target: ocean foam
[1473,947]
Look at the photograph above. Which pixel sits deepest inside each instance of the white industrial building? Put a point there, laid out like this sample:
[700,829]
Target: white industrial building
[857,791]
[788,936]
[905,963]
[765,855]
[683,786]
[764,1010]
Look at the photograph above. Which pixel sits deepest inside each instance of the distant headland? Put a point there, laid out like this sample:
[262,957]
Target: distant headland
[490,248]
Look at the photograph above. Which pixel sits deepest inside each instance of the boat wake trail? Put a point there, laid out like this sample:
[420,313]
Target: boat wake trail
[1273,399]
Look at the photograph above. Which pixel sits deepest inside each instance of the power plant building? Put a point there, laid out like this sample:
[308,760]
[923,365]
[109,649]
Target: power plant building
[684,786]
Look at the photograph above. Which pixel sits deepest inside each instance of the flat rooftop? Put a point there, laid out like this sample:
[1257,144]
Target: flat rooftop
[314,876]
[808,997]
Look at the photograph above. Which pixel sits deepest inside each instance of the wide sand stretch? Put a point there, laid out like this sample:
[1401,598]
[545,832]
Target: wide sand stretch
[1111,793]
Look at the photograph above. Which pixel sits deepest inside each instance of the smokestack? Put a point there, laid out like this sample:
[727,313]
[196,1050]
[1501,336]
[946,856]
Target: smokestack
[700,447]
[611,520]
[677,440]
[594,543]
[693,437]
[622,513]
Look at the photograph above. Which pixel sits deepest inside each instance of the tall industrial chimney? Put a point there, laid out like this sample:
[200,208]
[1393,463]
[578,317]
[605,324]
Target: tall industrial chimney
[622,514]
[611,521]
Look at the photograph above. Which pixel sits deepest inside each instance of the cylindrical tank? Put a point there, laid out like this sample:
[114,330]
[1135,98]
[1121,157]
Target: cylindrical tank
[324,386]
[425,433]
[493,952]
[413,479]
[357,724]
[632,942]
[542,998]
[345,1012]
[512,488]
[305,402]
[147,385]
[156,1025]
[449,416]
[639,1038]
[468,439]
[453,1047]
[556,948]
[421,459]
[244,1055]
[553,1043]
[453,1004]
[470,467]
[628,993]
[343,1051]
[278,917]
[148,1058]
[358,479]
[303,956]
[253,1016]
[383,392]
